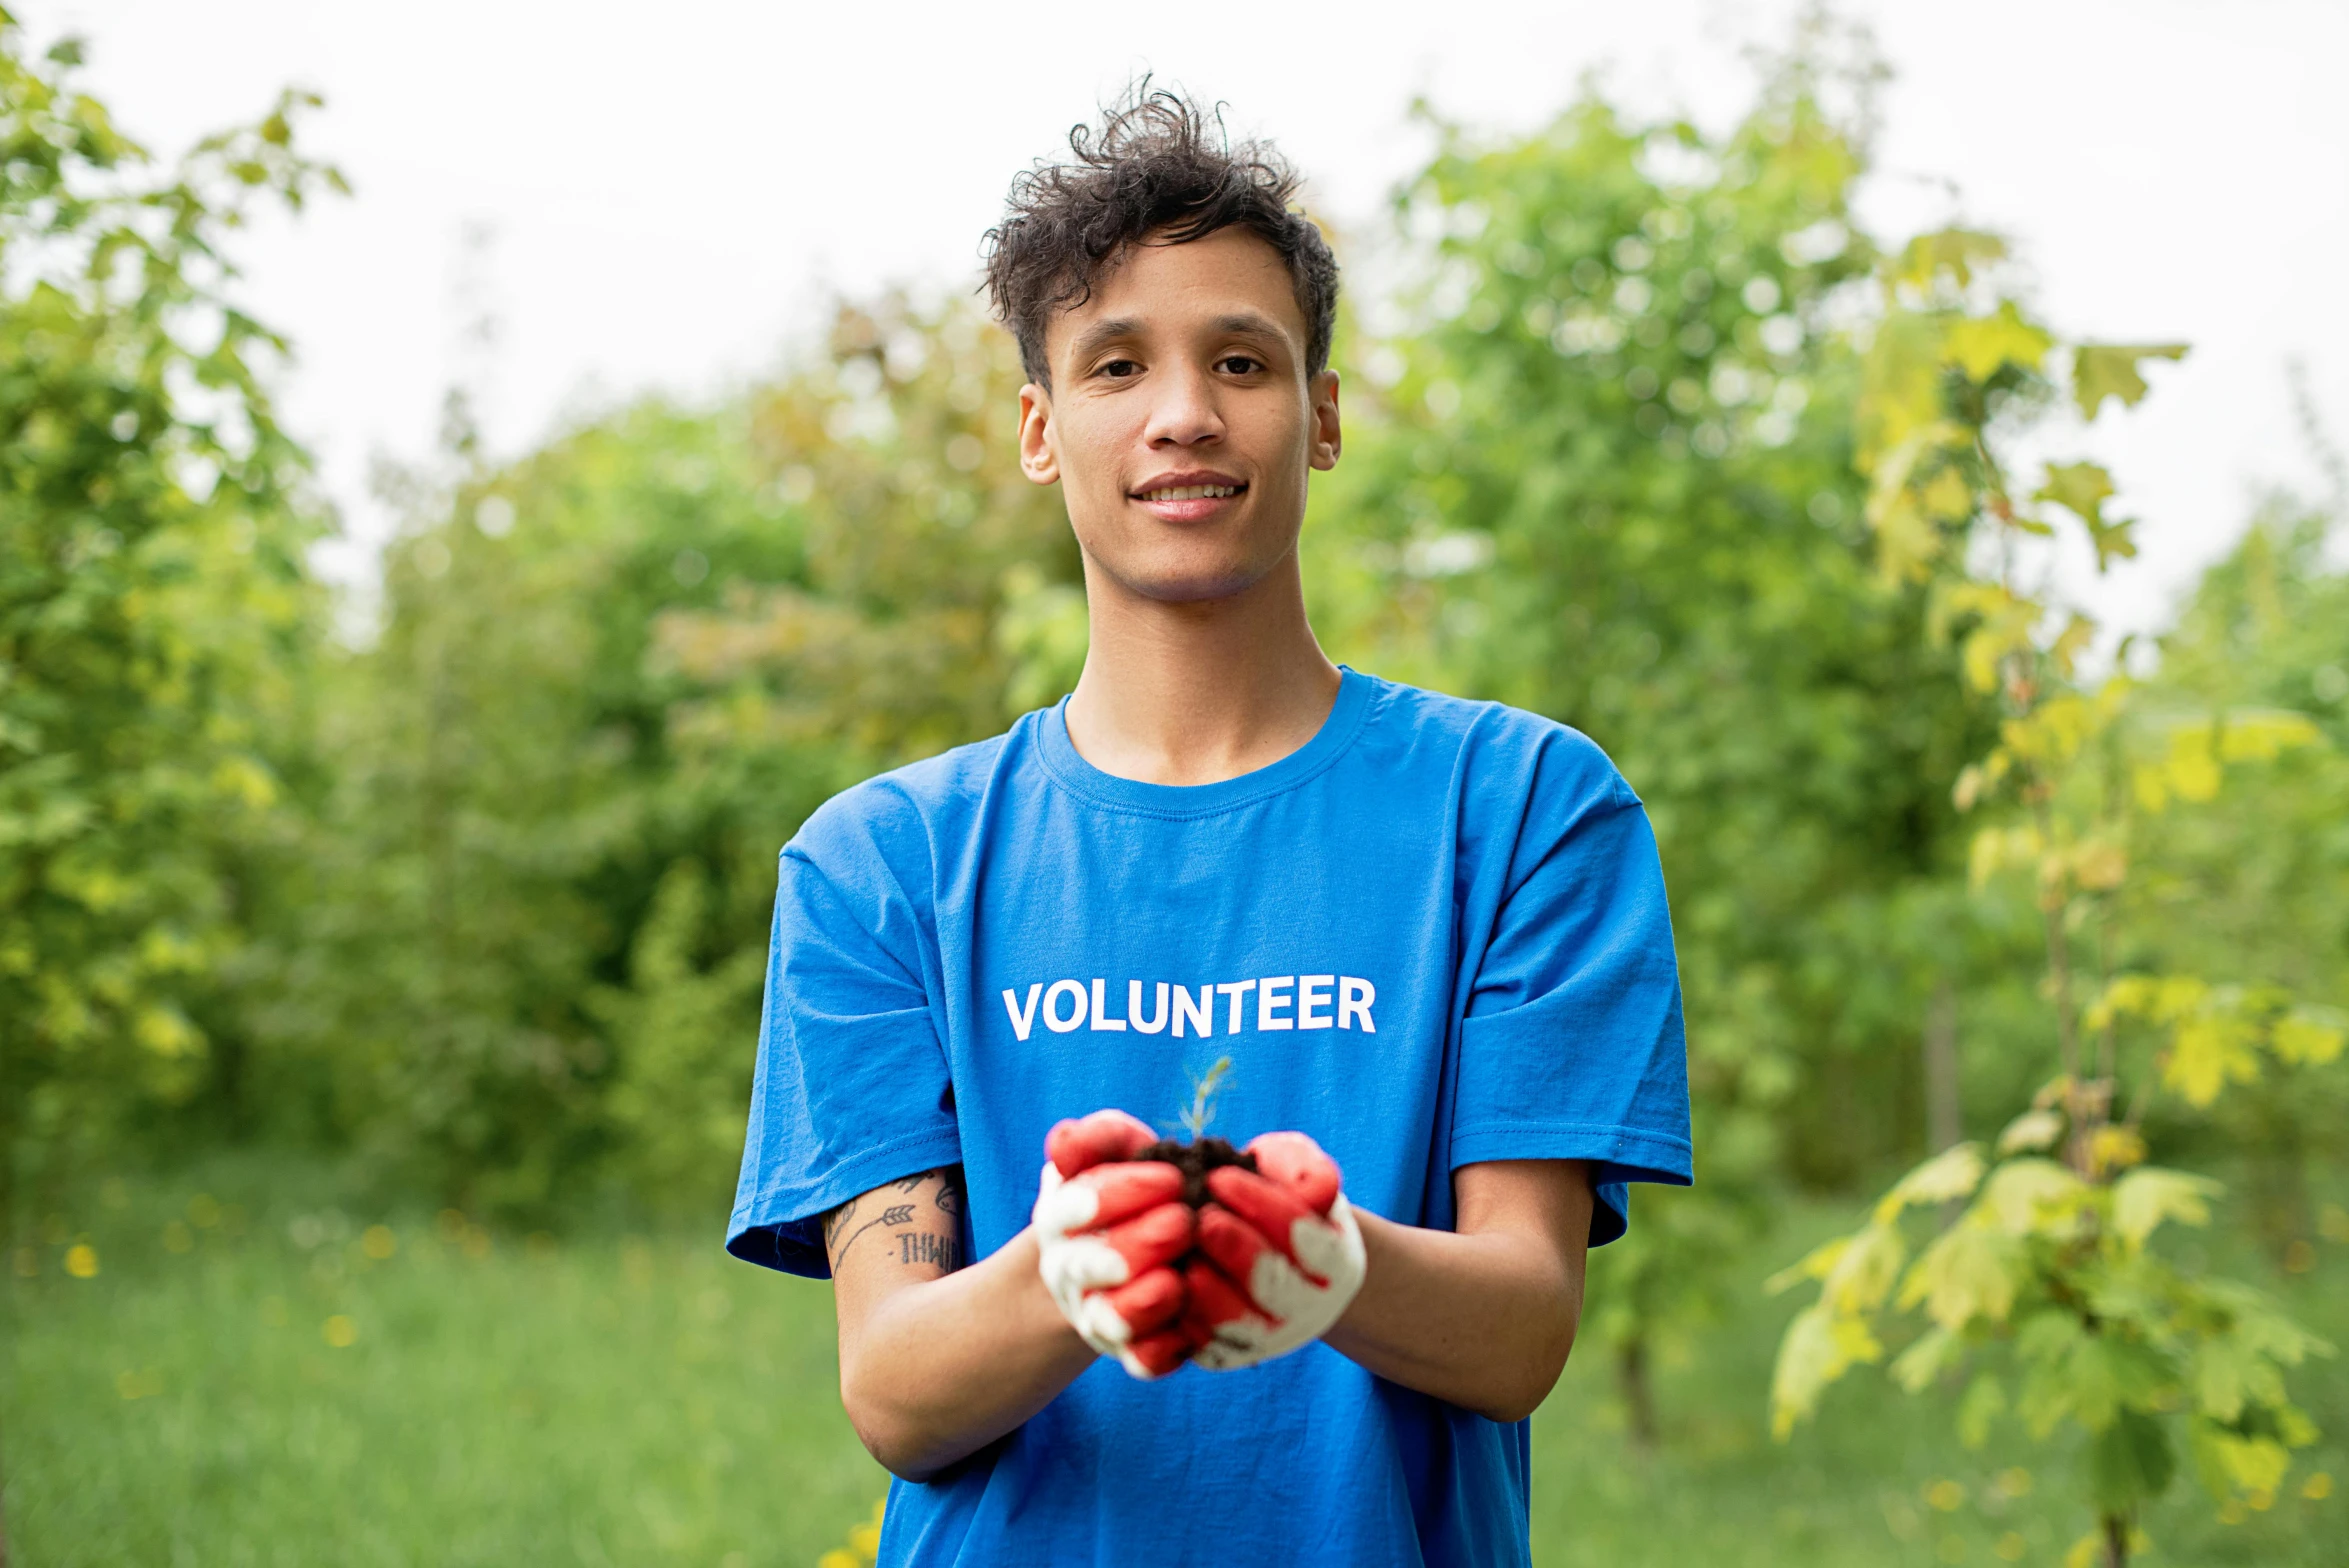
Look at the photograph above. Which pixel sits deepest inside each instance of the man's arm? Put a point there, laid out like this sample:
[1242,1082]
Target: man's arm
[938,1360]
[1482,1316]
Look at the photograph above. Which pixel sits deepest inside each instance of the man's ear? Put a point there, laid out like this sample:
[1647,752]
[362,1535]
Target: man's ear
[1037,458]
[1328,439]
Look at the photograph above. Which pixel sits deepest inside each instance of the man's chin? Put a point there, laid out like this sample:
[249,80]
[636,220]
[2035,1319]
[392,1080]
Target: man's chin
[1186,582]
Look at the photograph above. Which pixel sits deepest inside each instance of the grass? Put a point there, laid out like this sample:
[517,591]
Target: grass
[273,1389]
[249,1378]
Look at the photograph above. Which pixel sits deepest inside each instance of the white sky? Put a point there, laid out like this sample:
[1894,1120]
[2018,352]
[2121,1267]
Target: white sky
[675,189]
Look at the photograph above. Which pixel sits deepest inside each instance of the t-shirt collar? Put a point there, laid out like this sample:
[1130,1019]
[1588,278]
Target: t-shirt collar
[1062,760]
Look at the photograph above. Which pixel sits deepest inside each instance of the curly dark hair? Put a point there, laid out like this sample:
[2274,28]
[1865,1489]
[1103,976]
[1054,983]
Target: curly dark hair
[1158,167]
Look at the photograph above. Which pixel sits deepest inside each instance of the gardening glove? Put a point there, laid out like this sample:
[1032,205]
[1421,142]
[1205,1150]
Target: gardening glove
[1108,1227]
[1283,1256]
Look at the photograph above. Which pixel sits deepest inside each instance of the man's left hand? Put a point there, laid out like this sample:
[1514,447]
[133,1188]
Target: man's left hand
[1283,1255]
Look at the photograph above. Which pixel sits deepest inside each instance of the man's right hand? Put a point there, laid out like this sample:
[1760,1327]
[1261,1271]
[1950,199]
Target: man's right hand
[1108,1229]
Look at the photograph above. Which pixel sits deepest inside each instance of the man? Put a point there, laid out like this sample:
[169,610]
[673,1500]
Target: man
[1428,935]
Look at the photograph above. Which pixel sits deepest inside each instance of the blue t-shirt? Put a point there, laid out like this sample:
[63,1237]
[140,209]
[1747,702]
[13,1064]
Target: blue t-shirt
[1434,935]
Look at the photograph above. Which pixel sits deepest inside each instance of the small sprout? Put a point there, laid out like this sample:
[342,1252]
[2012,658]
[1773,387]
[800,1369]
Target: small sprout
[1203,1090]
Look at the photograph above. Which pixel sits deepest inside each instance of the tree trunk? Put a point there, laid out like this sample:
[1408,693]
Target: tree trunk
[1945,1121]
[1638,1392]
[1945,1124]
[2116,1541]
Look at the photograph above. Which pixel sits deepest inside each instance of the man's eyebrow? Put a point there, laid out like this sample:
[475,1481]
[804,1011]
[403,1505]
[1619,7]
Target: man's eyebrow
[1248,321]
[1104,332]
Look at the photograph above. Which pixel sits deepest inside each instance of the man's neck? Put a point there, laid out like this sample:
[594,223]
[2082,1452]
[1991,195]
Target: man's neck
[1200,692]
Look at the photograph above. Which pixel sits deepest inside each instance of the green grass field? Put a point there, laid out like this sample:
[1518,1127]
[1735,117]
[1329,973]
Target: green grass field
[250,1378]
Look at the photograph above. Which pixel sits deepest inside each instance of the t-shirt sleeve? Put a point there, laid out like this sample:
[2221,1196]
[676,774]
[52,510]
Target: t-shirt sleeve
[852,1088]
[1572,1046]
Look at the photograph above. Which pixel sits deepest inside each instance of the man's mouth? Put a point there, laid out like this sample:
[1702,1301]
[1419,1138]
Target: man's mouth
[1193,497]
[1189,493]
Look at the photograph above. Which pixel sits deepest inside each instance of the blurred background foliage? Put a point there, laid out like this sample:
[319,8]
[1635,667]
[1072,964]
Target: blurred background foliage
[469,908]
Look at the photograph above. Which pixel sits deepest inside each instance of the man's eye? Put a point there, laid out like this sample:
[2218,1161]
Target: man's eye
[1239,364]
[1119,369]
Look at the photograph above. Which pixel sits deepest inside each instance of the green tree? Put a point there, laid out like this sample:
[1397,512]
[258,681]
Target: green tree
[2048,1287]
[612,678]
[504,806]
[937,596]
[154,606]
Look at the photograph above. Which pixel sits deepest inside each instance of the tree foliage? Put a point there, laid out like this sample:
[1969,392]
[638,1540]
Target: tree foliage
[154,606]
[2046,1286]
[611,679]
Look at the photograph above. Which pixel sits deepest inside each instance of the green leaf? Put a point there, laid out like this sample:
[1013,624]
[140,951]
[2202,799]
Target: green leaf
[2232,1462]
[2032,1197]
[2046,1342]
[1935,1352]
[2227,1372]
[1948,1176]
[2148,1195]
[2129,1463]
[1864,1272]
[1979,1410]
[2033,1130]
[1982,345]
[1819,1347]
[2091,1377]
[2136,1289]
[1959,253]
[2308,1037]
[2102,370]
[2217,1044]
[1817,1263]
[2257,1322]
[2083,488]
[1967,1273]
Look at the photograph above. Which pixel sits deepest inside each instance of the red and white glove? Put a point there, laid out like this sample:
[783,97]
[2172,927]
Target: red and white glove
[1109,1227]
[1283,1255]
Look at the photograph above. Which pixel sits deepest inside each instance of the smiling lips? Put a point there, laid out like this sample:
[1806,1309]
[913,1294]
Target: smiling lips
[1190,492]
[1189,498]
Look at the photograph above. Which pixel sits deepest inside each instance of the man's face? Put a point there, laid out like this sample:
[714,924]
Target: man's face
[1181,422]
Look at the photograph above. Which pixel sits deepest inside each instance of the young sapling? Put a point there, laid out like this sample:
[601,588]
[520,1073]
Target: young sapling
[1202,1153]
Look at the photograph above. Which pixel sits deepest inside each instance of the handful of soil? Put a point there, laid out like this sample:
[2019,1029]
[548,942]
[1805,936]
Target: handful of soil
[1195,1160]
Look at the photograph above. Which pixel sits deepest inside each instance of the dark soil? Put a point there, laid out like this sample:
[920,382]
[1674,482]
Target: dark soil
[1195,1160]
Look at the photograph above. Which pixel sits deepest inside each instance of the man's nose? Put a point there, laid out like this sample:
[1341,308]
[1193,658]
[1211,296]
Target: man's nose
[1184,412]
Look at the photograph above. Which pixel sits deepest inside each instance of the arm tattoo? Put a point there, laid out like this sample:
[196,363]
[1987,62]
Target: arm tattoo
[842,1226]
[927,1247]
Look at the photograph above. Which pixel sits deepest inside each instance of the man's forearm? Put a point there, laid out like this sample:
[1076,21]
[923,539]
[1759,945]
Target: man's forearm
[937,1370]
[1482,1319]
